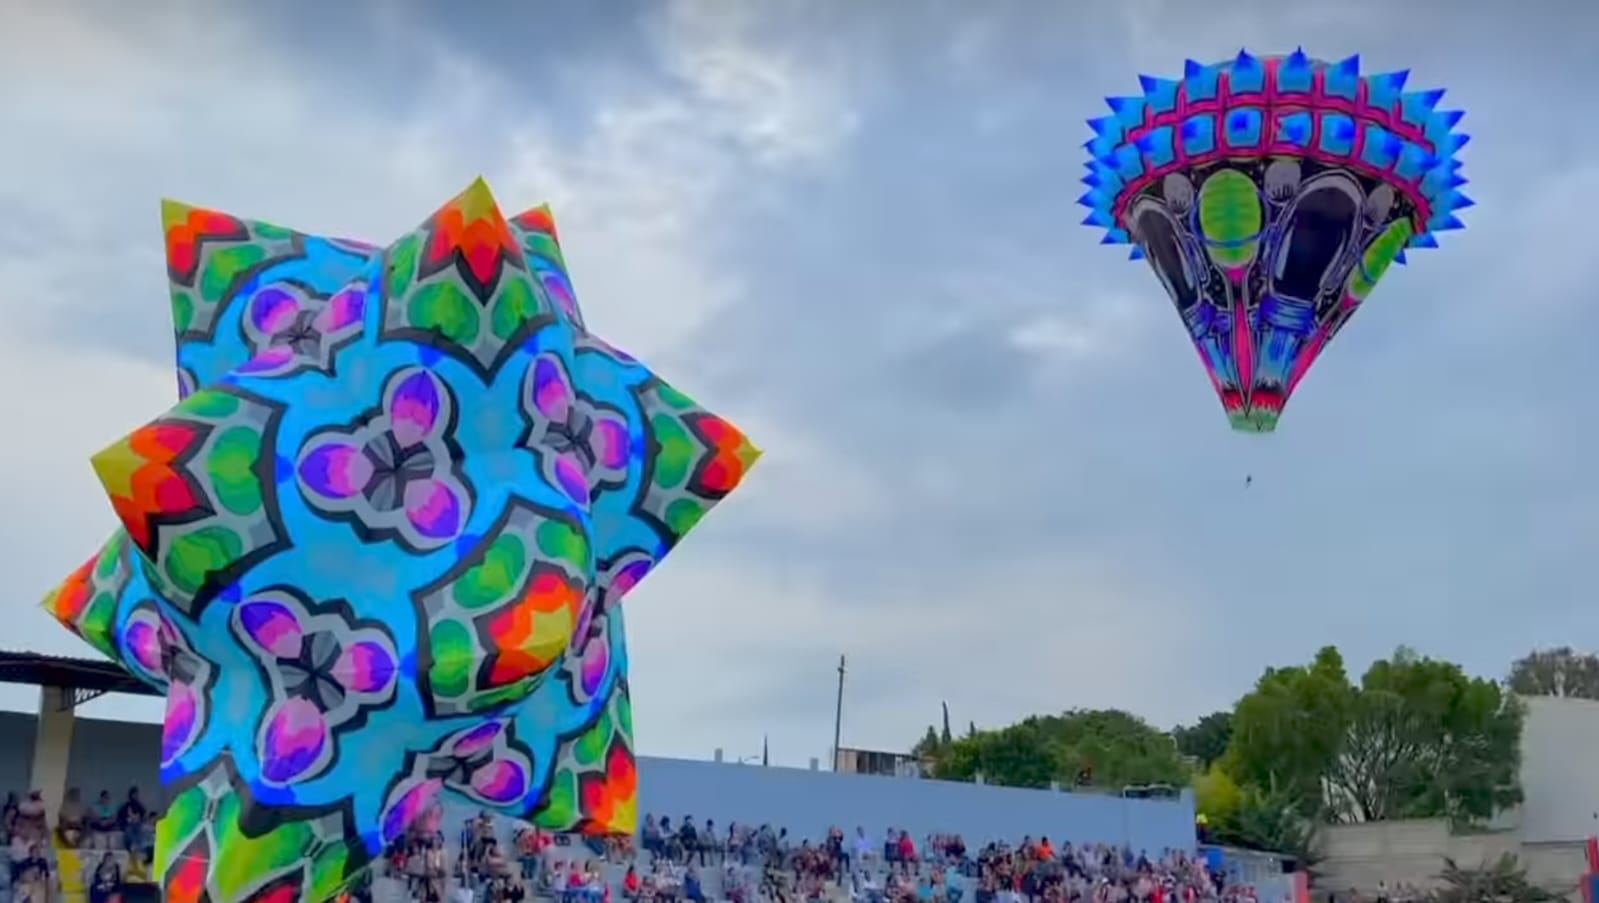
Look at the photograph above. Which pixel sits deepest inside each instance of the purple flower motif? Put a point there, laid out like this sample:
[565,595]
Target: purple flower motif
[322,672]
[484,762]
[290,330]
[393,472]
[582,445]
[157,648]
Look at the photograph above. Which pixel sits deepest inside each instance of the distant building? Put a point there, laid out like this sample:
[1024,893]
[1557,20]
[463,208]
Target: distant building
[887,764]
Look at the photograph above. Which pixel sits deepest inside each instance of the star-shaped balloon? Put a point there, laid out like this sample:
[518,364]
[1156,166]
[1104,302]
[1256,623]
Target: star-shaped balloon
[376,551]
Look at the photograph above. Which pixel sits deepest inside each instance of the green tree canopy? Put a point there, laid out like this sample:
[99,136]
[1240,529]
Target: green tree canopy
[1287,731]
[1417,738]
[1207,739]
[1556,672]
[1110,747]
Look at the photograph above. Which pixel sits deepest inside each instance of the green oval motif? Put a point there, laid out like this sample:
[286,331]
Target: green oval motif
[1379,256]
[1230,217]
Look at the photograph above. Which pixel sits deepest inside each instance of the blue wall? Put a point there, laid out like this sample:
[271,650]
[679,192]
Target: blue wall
[808,802]
[108,754]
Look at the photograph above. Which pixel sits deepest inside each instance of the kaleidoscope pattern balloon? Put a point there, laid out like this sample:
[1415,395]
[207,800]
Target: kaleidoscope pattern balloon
[1270,194]
[376,551]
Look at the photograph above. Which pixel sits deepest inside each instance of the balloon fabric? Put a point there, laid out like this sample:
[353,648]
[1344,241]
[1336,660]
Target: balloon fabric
[1270,194]
[375,553]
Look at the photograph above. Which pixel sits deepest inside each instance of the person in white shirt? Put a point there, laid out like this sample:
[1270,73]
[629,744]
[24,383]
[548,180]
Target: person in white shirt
[863,847]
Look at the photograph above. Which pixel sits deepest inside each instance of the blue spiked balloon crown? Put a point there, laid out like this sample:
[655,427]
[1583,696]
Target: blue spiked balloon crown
[1279,106]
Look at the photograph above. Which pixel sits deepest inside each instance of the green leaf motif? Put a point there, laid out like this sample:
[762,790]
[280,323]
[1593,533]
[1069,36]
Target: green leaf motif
[677,451]
[494,579]
[682,515]
[232,469]
[223,266]
[589,749]
[182,311]
[181,820]
[402,265]
[511,692]
[674,399]
[271,232]
[450,646]
[560,811]
[96,622]
[193,557]
[208,404]
[559,539]
[110,560]
[515,305]
[443,307]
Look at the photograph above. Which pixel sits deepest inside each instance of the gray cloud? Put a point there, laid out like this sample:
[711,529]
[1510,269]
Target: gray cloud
[996,474]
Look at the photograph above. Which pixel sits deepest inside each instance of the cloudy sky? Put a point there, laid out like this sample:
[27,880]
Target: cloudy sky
[995,473]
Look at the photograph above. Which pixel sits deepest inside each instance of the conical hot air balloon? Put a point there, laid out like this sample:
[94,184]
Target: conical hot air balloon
[1270,194]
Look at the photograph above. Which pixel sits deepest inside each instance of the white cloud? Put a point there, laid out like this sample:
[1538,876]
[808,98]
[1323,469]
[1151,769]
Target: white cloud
[125,119]
[1040,629]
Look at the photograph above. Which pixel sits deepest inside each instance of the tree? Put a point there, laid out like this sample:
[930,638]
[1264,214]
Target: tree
[1116,748]
[945,737]
[1417,738]
[1207,740]
[1425,740]
[1556,672]
[1288,729]
[1504,881]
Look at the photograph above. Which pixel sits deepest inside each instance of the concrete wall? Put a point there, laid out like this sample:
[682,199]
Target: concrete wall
[114,755]
[1359,857]
[105,755]
[1560,770]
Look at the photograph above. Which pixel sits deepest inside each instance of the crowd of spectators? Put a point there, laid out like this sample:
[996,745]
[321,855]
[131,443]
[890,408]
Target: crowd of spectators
[118,839]
[686,861]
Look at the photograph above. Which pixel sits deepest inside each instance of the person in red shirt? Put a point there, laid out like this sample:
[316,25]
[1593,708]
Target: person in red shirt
[907,851]
[630,883]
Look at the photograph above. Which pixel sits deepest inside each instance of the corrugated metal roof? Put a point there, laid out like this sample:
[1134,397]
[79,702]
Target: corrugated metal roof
[38,669]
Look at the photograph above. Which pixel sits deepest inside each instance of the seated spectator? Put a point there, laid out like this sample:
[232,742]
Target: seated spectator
[710,843]
[494,862]
[654,843]
[8,816]
[107,884]
[688,841]
[17,848]
[102,819]
[70,819]
[30,877]
[631,884]
[131,819]
[692,891]
[30,820]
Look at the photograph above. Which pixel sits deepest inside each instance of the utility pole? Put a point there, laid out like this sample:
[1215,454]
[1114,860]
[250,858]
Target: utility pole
[838,713]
